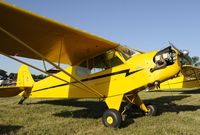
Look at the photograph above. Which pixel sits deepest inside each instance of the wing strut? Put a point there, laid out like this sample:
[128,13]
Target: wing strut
[60,52]
[44,65]
[53,64]
[44,72]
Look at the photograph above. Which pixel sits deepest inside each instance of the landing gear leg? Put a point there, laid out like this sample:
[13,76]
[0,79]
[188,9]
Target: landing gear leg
[25,95]
[149,110]
[22,100]
[112,117]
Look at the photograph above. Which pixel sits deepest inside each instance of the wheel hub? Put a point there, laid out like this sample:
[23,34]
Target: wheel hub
[109,120]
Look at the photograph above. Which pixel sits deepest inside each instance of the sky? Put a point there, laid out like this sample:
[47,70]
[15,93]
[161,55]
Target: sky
[145,25]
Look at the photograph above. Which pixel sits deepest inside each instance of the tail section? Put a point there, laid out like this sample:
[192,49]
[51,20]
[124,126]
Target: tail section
[24,85]
[24,81]
[24,78]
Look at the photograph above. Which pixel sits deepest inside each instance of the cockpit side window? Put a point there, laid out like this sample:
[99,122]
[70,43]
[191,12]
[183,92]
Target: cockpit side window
[98,63]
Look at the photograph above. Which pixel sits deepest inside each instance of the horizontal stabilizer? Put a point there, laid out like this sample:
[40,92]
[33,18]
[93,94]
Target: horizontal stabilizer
[11,91]
[24,83]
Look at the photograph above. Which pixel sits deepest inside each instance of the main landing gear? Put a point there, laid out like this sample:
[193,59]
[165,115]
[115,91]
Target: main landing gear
[152,110]
[113,118]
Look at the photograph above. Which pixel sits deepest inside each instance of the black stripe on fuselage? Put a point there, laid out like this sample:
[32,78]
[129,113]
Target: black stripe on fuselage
[111,74]
[127,72]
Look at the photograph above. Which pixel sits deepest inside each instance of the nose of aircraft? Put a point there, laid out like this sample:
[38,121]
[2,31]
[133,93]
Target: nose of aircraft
[164,58]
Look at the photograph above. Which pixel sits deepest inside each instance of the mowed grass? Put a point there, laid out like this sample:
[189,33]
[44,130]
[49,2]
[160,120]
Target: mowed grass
[178,113]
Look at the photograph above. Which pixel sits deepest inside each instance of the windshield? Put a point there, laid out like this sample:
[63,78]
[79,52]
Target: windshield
[126,52]
[183,58]
[99,63]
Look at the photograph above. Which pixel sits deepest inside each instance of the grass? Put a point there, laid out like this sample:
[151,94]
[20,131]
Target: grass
[178,113]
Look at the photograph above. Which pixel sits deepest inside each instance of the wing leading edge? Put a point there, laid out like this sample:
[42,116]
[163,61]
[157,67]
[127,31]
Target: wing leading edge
[55,41]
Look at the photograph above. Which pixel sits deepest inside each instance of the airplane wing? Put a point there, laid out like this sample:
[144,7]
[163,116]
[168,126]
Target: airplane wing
[55,41]
[9,91]
[189,70]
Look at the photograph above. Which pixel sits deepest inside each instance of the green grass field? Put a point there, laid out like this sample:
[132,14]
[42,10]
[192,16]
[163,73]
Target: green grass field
[178,114]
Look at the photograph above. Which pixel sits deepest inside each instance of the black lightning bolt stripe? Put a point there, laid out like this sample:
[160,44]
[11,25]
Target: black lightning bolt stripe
[126,71]
[111,74]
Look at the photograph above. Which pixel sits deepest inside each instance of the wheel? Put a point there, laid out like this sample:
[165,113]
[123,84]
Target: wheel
[152,110]
[112,118]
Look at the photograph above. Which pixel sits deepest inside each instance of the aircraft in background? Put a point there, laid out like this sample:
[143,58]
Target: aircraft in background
[99,68]
[3,76]
[189,77]
[5,79]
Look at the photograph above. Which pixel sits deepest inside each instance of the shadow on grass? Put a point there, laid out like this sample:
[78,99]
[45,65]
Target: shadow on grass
[93,109]
[60,102]
[83,113]
[89,109]
[9,129]
[75,103]
[195,91]
[182,91]
[166,104]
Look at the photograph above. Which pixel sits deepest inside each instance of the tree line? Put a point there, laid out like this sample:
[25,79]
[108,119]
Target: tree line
[13,76]
[195,61]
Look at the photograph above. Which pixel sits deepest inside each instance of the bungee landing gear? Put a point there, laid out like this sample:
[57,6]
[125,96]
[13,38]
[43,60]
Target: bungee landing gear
[113,118]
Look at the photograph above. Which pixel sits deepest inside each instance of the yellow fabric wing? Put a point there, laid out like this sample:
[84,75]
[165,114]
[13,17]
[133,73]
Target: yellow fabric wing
[188,70]
[55,41]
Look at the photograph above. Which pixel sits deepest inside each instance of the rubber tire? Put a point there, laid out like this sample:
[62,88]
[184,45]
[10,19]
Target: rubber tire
[153,110]
[116,117]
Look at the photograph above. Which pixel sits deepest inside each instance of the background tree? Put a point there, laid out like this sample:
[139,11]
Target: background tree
[3,74]
[195,61]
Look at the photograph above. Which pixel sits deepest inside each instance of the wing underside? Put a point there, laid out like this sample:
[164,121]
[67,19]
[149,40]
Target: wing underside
[55,41]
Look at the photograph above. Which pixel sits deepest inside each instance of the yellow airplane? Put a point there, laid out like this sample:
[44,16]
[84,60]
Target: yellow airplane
[99,68]
[189,77]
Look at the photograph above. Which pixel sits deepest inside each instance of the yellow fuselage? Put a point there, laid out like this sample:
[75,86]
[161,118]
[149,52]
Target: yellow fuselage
[132,75]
